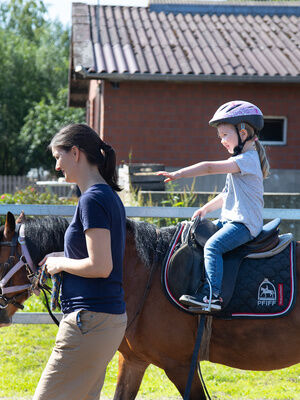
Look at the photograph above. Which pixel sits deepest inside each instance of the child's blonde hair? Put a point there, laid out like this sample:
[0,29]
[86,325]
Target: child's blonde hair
[264,163]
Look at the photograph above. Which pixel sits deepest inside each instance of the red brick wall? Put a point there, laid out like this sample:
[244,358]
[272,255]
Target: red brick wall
[168,122]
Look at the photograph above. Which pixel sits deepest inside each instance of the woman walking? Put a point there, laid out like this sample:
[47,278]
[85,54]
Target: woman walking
[92,296]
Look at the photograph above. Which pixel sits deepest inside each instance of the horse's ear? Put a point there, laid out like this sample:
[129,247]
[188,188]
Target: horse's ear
[21,218]
[10,225]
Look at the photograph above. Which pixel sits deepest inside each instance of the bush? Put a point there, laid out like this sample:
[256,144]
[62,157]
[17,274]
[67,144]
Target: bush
[30,195]
[187,198]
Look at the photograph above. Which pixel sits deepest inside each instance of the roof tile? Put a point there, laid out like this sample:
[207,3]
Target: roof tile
[129,40]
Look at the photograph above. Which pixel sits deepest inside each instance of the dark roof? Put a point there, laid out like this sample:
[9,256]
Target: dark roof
[144,43]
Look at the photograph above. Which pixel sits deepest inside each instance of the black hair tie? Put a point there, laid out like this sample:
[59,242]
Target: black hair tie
[106,147]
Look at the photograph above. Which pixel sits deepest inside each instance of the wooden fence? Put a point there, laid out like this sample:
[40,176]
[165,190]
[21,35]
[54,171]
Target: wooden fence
[12,183]
[143,212]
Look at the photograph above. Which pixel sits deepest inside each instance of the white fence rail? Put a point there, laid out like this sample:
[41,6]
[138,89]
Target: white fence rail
[144,212]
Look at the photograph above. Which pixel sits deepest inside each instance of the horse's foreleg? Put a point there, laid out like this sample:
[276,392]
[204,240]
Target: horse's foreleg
[130,375]
[179,376]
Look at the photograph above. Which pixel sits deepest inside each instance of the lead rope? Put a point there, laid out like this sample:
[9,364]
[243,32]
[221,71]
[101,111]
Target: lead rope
[188,387]
[54,319]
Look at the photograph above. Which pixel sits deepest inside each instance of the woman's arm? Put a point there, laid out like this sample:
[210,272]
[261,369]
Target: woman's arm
[202,168]
[97,265]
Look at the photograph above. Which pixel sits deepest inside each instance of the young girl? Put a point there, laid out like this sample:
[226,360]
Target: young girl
[238,124]
[92,296]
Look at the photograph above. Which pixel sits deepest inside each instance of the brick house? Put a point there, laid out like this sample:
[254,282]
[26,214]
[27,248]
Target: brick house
[151,78]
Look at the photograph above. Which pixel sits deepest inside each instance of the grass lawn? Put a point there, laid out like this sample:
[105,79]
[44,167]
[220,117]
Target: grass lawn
[25,349]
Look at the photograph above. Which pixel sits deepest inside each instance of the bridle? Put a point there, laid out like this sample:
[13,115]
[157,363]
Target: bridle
[24,261]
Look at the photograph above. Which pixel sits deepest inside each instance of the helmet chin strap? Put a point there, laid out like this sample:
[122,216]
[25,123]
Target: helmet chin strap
[239,148]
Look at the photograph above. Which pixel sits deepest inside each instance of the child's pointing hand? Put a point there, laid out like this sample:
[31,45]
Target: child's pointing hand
[170,176]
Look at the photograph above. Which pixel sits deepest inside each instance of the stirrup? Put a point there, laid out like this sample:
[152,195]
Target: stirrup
[208,307]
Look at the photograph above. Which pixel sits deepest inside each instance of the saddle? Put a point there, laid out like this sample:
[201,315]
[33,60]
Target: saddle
[184,271]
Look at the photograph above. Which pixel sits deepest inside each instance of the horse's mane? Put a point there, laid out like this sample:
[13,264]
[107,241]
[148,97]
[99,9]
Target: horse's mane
[151,242]
[43,235]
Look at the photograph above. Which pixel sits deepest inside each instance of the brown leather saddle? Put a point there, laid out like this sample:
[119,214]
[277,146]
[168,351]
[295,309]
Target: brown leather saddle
[183,270]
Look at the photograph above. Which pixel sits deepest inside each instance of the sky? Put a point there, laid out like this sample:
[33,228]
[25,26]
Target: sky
[61,9]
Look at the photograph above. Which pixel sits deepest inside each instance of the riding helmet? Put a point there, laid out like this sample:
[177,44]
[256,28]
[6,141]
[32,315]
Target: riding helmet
[237,111]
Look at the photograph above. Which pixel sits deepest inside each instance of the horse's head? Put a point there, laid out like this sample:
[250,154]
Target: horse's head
[14,282]
[19,257]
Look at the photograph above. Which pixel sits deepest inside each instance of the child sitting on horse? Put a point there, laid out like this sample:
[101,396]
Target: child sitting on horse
[238,124]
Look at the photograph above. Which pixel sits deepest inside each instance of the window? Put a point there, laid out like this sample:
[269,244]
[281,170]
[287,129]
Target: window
[274,131]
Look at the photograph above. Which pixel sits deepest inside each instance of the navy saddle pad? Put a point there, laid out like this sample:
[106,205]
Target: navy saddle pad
[265,287]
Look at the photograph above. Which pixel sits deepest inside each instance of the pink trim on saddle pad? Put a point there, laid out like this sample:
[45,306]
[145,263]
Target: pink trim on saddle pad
[178,236]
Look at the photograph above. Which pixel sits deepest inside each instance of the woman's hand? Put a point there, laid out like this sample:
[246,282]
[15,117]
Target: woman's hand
[199,213]
[53,262]
[170,176]
[54,265]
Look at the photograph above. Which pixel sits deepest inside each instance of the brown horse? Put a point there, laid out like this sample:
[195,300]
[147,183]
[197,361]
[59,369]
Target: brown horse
[157,332]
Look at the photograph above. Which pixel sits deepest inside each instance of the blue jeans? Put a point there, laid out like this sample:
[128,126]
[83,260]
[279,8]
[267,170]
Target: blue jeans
[228,237]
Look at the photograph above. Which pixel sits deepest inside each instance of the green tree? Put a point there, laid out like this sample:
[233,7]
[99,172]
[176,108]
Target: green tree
[41,124]
[33,66]
[25,18]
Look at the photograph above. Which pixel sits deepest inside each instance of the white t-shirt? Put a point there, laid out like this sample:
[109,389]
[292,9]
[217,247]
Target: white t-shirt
[243,193]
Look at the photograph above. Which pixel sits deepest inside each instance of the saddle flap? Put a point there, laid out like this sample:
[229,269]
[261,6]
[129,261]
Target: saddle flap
[185,274]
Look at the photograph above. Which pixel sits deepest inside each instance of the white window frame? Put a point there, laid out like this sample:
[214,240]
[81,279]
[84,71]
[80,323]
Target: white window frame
[276,143]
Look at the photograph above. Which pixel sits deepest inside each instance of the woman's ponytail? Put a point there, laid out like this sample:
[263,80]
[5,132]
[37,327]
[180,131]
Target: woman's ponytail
[107,168]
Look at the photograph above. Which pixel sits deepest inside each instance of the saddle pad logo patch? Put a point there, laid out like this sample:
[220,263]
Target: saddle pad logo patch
[266,294]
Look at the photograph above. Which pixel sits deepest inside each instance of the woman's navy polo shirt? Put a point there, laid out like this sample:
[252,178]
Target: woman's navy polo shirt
[98,207]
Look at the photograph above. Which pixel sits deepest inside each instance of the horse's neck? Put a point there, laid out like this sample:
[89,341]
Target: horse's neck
[43,238]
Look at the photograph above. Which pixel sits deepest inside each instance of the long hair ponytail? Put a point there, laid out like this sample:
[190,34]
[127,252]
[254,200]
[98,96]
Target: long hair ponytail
[96,150]
[108,168]
[252,134]
[264,163]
